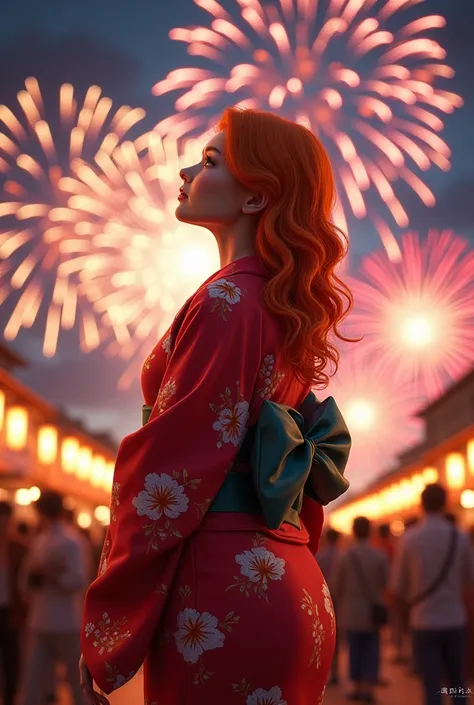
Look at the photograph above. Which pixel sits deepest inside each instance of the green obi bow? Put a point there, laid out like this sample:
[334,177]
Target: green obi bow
[297,452]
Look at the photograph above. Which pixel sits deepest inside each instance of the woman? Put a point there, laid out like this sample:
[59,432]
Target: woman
[209,580]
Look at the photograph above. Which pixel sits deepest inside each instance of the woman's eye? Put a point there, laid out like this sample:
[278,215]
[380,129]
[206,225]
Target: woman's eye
[207,161]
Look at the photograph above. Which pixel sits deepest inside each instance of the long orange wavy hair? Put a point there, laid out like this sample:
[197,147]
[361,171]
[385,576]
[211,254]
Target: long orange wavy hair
[296,239]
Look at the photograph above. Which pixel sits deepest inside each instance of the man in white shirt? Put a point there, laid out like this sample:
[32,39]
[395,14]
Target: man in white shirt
[434,558]
[53,579]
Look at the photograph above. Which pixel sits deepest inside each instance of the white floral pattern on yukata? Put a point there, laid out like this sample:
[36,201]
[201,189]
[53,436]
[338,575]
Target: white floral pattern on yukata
[107,634]
[164,395]
[260,696]
[114,500]
[258,567]
[226,293]
[147,363]
[328,606]
[198,632]
[164,499]
[232,418]
[308,605]
[271,379]
[166,345]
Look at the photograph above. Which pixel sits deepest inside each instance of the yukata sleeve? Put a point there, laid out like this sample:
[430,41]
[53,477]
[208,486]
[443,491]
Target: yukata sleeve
[167,474]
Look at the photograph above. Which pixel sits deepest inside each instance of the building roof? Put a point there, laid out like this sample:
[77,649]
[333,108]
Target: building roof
[465,381]
[9,358]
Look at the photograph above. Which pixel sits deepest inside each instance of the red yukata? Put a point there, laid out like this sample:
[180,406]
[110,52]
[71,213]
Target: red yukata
[220,609]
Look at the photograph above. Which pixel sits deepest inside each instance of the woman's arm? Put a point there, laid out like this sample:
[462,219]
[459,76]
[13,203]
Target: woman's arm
[166,475]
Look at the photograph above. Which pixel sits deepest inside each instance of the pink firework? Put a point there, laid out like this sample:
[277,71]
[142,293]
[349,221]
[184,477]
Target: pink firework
[365,75]
[417,315]
[43,251]
[379,410]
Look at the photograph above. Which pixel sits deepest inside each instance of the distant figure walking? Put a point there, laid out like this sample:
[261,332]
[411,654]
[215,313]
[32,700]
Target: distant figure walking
[432,569]
[360,579]
[53,579]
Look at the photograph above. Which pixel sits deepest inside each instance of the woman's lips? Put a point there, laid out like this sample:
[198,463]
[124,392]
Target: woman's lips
[182,197]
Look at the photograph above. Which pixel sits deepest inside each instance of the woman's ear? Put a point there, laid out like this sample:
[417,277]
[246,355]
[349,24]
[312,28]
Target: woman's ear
[255,203]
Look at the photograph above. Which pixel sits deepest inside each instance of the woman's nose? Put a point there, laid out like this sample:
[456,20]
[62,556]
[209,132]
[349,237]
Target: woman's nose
[184,175]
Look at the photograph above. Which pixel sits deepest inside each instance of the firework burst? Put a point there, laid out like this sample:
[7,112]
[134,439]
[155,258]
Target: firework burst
[417,315]
[145,264]
[362,74]
[42,249]
[379,409]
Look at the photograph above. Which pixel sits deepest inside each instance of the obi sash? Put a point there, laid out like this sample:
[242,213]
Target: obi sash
[290,453]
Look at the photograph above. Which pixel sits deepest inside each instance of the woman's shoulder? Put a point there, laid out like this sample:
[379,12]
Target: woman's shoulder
[230,296]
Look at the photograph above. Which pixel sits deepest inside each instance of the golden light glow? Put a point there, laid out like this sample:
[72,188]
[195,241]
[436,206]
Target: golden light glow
[102,514]
[430,476]
[69,453]
[455,471]
[470,456]
[35,493]
[84,463]
[84,520]
[22,497]
[467,499]
[397,527]
[98,471]
[17,427]
[2,408]
[394,498]
[47,444]
[109,476]
[69,502]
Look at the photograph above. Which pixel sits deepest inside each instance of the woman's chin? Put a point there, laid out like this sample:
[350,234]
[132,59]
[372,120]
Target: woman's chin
[182,216]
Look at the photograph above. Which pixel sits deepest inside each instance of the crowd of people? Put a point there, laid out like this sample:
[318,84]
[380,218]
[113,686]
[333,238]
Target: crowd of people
[420,587]
[417,587]
[44,573]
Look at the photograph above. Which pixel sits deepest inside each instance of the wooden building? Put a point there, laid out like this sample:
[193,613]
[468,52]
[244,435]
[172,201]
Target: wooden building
[41,447]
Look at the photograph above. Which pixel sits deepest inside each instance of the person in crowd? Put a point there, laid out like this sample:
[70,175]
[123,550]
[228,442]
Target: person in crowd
[83,536]
[11,607]
[431,572]
[327,558]
[359,583]
[53,580]
[384,541]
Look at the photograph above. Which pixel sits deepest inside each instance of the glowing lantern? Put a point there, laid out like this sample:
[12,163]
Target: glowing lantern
[467,499]
[69,452]
[455,471]
[102,514]
[470,456]
[2,408]
[84,520]
[397,527]
[22,497]
[47,444]
[17,428]
[35,493]
[84,463]
[430,475]
[98,471]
